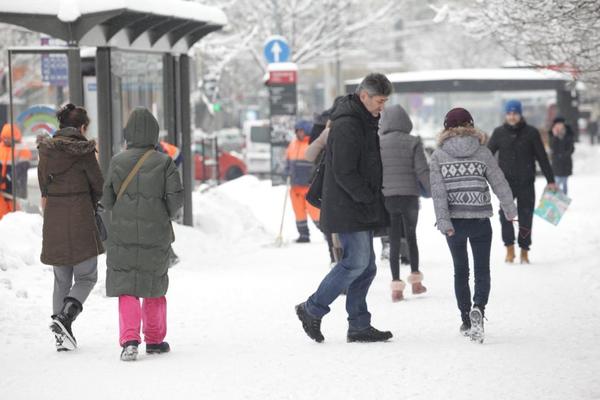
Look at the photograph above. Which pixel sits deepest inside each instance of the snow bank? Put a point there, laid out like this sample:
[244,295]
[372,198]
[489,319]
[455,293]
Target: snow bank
[21,241]
[244,207]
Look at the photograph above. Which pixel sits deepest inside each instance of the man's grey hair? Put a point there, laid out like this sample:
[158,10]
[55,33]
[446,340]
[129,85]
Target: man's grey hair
[375,84]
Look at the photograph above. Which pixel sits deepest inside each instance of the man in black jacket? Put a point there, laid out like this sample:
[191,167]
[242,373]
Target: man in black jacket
[352,207]
[519,145]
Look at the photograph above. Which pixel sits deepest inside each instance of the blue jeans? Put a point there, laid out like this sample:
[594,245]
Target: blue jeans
[561,182]
[479,234]
[354,272]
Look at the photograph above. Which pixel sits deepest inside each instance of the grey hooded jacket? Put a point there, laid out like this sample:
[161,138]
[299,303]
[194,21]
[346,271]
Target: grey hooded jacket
[461,168]
[404,162]
[140,232]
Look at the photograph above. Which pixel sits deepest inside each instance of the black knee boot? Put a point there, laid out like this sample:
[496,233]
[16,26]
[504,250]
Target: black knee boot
[61,323]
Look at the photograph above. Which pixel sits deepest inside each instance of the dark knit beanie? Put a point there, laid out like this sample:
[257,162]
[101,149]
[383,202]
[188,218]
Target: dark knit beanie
[457,117]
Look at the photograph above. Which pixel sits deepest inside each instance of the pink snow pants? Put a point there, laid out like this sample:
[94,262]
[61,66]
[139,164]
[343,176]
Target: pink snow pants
[152,314]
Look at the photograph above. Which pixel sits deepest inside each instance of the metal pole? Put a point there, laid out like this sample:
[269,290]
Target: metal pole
[75,78]
[12,134]
[169,95]
[105,114]
[186,139]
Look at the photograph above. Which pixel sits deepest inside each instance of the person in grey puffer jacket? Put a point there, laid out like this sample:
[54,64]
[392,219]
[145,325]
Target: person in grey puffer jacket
[461,168]
[404,170]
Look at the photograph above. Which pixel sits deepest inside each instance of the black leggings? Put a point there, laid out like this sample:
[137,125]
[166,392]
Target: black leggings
[404,214]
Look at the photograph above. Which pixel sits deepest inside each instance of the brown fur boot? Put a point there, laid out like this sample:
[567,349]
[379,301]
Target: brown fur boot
[415,280]
[397,291]
[510,254]
[524,256]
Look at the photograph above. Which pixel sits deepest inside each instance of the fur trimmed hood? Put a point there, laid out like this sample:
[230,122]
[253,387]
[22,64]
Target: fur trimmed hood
[68,140]
[462,141]
[461,131]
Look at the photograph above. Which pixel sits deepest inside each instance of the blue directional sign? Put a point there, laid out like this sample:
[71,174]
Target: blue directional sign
[277,50]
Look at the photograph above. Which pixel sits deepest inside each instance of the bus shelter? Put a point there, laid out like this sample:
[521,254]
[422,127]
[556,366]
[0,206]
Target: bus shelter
[135,54]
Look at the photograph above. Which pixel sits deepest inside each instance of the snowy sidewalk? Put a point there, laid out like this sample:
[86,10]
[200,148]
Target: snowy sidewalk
[234,333]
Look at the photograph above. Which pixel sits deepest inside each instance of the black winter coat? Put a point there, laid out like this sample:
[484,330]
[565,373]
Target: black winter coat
[562,149]
[519,147]
[352,199]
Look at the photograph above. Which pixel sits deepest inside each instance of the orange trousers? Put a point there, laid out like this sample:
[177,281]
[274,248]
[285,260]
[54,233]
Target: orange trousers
[301,206]
[6,206]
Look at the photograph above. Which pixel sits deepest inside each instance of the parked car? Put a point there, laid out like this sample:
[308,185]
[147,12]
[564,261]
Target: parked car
[230,166]
[258,146]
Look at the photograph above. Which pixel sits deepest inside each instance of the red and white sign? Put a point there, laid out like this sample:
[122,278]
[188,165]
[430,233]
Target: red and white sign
[282,77]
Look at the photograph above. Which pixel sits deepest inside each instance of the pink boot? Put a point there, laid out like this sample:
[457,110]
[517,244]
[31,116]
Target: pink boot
[397,289]
[415,280]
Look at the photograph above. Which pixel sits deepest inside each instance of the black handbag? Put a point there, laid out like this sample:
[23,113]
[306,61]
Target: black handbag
[100,222]
[315,190]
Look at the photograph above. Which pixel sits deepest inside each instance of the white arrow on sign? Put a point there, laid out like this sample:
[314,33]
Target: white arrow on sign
[276,50]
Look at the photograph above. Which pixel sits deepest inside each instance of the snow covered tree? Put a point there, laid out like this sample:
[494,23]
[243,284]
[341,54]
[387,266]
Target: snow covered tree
[324,29]
[560,34]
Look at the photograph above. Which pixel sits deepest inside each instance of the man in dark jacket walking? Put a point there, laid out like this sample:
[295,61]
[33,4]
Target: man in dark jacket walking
[352,207]
[562,146]
[519,146]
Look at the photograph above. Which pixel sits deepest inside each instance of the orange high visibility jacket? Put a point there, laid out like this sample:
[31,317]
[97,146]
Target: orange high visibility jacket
[22,161]
[298,168]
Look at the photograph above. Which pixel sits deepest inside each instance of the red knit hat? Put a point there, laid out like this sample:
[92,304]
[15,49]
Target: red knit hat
[457,117]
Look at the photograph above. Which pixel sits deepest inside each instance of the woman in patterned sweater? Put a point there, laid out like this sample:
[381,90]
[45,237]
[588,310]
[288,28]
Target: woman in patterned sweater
[461,169]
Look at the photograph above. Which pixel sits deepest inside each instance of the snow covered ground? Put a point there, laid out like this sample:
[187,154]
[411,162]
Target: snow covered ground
[234,333]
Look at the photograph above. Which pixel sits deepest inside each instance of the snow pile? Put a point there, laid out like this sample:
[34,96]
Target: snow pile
[242,208]
[222,212]
[21,242]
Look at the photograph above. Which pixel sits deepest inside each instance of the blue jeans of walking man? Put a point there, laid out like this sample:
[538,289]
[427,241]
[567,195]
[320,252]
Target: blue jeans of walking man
[355,272]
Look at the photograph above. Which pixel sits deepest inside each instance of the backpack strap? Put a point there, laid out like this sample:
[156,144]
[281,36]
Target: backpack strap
[133,173]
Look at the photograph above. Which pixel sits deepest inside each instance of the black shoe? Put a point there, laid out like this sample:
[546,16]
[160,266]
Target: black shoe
[369,335]
[61,323]
[303,239]
[158,348]
[311,325]
[130,350]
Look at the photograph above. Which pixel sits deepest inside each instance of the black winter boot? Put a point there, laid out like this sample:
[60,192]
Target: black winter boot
[158,348]
[369,335]
[310,324]
[61,323]
[303,239]
[303,231]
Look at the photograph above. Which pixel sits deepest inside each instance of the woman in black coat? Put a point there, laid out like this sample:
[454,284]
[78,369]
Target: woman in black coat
[562,146]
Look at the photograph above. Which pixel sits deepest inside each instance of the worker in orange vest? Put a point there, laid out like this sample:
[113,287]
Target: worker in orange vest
[13,181]
[172,151]
[299,171]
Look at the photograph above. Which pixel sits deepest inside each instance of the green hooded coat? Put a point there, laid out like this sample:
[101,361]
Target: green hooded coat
[140,232]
